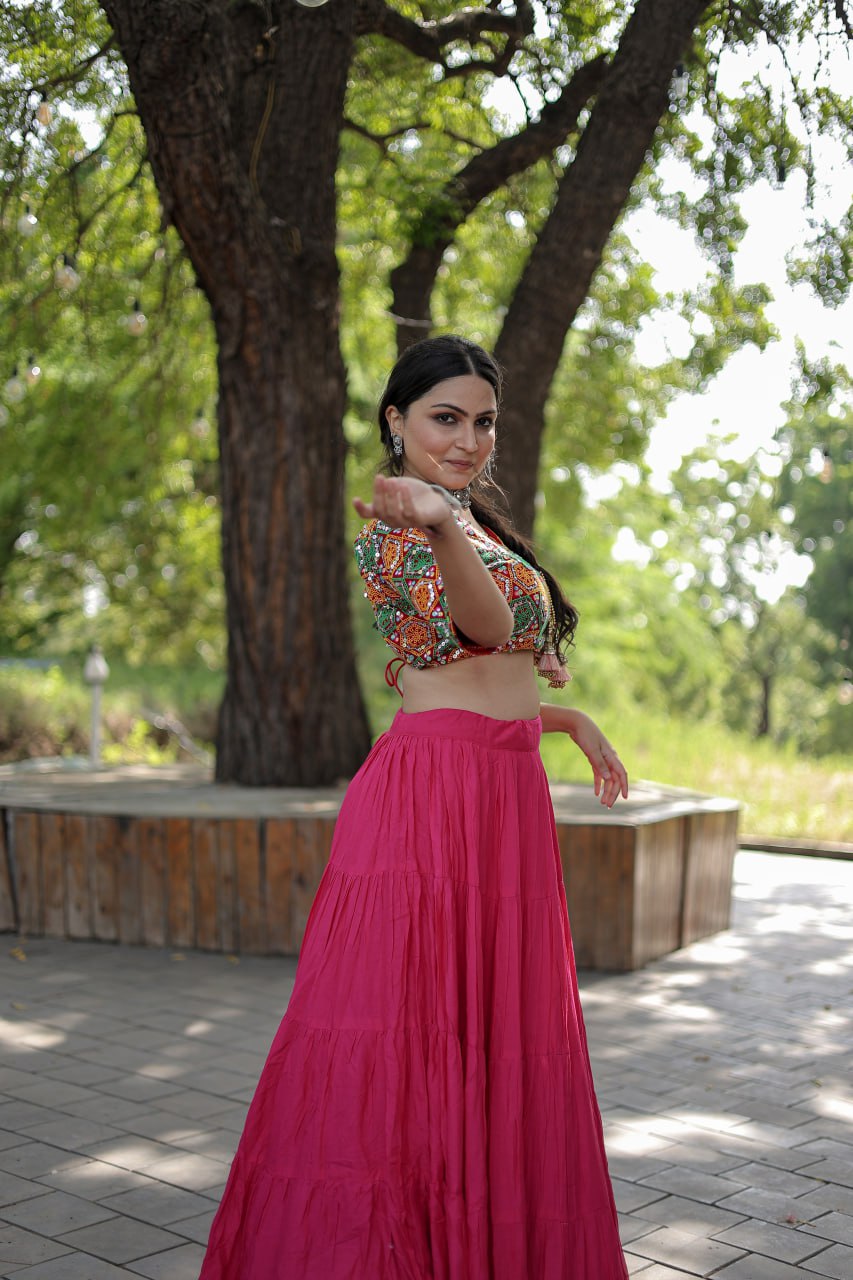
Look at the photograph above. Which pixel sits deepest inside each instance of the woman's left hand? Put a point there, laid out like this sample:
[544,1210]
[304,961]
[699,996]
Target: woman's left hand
[611,780]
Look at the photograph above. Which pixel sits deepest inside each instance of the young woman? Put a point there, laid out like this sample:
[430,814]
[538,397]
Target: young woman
[427,1109]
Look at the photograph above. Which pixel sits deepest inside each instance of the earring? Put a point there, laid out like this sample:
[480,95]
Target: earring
[397,444]
[486,473]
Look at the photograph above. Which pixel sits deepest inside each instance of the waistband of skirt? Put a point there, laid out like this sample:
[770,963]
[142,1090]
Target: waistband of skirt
[469,726]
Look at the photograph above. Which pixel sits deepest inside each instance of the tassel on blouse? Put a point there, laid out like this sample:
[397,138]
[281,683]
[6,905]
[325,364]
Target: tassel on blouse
[550,668]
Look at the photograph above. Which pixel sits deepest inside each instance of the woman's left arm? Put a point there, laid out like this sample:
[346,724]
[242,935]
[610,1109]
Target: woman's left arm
[611,780]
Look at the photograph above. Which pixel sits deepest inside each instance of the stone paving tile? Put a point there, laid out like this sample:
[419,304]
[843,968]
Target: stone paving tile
[55,1212]
[755,1267]
[678,1249]
[770,1179]
[82,1073]
[631,1196]
[197,1173]
[690,1216]
[837,1261]
[831,1226]
[234,1118]
[16,1114]
[830,1148]
[703,1159]
[13,1189]
[707,1187]
[137,1088]
[121,1240]
[32,1159]
[158,1203]
[130,1152]
[839,1171]
[222,1082]
[176,1264]
[219,1144]
[20,1248]
[73,1266]
[93,1181]
[53,1093]
[769,1206]
[636,1265]
[109,1109]
[786,1244]
[8,1139]
[72,1133]
[793,1158]
[11,1076]
[197,1228]
[632,1227]
[160,1126]
[191,1104]
[654,1270]
[625,1141]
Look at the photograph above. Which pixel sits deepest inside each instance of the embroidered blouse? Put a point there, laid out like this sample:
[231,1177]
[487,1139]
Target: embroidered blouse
[404,586]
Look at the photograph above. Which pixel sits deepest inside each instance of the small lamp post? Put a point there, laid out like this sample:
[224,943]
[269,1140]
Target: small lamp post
[95,673]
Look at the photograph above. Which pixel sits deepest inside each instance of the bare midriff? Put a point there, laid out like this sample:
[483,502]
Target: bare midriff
[500,685]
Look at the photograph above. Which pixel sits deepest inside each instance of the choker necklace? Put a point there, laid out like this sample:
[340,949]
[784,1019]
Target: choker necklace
[456,497]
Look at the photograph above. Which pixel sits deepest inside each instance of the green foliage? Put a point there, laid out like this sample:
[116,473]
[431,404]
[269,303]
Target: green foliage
[41,713]
[816,487]
[109,488]
[108,482]
[780,793]
[47,711]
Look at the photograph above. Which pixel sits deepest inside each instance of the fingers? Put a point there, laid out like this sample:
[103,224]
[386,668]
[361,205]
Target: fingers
[404,502]
[611,778]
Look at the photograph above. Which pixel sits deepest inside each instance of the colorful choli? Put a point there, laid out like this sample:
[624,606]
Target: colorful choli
[404,586]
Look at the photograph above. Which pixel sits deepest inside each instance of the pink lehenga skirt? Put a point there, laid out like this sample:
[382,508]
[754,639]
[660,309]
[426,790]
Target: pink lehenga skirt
[427,1110]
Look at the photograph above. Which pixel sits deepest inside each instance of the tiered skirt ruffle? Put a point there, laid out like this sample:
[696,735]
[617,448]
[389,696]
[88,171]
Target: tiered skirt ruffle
[427,1109]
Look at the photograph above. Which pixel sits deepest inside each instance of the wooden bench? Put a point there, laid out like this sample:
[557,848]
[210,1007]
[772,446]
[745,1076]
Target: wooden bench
[162,856]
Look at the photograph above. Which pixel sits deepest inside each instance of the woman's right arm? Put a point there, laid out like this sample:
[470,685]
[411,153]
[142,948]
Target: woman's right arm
[476,604]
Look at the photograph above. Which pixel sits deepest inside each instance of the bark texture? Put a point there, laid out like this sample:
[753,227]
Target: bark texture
[242,109]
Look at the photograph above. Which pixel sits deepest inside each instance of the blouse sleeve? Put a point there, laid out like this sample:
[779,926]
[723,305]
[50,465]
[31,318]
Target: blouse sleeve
[403,584]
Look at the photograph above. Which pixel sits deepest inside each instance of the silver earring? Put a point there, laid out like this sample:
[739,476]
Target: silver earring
[486,473]
[397,445]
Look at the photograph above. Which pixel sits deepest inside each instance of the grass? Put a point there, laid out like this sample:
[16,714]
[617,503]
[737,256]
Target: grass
[782,794]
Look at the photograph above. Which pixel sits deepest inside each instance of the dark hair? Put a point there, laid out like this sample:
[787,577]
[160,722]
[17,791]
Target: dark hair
[421,367]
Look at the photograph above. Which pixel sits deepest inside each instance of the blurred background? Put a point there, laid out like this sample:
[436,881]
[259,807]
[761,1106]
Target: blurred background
[694,484]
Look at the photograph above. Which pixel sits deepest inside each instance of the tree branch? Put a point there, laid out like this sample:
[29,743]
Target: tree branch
[74,73]
[843,17]
[413,279]
[429,39]
[590,197]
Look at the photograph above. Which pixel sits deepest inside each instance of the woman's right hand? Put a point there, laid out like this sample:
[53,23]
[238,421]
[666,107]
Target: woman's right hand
[402,502]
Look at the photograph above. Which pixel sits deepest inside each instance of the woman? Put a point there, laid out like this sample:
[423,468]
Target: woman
[427,1109]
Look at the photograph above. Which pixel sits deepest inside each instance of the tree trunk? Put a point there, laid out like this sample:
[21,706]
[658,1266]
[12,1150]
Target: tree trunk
[243,119]
[590,198]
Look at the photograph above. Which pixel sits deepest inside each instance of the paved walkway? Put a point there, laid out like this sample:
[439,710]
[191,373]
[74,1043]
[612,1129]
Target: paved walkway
[724,1075]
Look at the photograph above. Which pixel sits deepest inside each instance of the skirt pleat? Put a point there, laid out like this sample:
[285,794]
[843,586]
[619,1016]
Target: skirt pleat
[427,1109]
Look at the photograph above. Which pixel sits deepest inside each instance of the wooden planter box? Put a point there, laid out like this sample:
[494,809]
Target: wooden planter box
[164,857]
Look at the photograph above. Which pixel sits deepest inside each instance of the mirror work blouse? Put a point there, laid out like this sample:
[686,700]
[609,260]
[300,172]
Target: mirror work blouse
[404,586]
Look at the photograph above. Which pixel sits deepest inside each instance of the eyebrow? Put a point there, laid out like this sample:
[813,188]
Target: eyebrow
[455,407]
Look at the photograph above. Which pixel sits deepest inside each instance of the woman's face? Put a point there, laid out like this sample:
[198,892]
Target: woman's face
[449,434]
